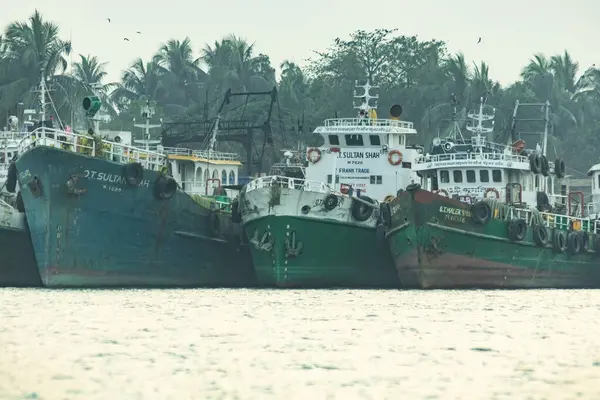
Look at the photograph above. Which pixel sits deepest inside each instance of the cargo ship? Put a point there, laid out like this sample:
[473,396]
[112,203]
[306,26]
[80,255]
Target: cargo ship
[17,260]
[487,215]
[104,213]
[319,228]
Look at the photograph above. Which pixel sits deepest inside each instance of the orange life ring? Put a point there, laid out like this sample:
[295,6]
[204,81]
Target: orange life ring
[393,153]
[488,190]
[309,155]
[441,192]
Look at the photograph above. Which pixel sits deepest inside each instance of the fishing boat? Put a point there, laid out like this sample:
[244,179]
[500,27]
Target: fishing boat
[320,230]
[17,263]
[487,215]
[105,213]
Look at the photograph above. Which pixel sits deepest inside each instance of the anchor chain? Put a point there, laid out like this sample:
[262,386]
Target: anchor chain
[291,248]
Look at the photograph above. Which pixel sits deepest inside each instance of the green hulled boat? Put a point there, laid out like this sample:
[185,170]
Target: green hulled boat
[491,218]
[318,228]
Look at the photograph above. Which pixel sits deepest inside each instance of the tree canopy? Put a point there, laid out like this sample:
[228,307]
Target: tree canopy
[188,81]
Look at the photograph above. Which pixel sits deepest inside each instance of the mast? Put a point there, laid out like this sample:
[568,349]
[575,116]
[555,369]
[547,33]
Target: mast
[43,101]
[546,126]
[147,113]
[478,139]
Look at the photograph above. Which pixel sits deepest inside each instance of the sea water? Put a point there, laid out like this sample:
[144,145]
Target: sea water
[293,344]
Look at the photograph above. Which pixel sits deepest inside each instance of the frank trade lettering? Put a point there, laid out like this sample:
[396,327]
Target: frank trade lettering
[353,170]
[110,178]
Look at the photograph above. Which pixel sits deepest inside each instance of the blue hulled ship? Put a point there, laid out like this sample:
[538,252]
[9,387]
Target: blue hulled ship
[105,213]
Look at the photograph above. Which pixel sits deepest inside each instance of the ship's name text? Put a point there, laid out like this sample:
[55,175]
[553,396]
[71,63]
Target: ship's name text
[359,154]
[455,214]
[110,178]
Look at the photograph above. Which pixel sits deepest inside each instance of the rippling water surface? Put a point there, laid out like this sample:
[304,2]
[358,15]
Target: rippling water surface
[260,344]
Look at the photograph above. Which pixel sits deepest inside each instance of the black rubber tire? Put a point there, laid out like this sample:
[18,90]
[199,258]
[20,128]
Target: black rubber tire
[20,204]
[361,212]
[213,225]
[412,187]
[236,216]
[11,178]
[559,241]
[559,168]
[330,202]
[481,213]
[585,241]
[517,230]
[540,235]
[573,243]
[545,166]
[133,173]
[535,163]
[597,245]
[165,187]
[386,214]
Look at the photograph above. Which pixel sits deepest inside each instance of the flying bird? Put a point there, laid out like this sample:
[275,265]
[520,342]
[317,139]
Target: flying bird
[127,40]
[138,32]
[479,40]
[108,19]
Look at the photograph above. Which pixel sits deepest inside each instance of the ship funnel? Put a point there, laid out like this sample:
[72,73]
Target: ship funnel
[395,111]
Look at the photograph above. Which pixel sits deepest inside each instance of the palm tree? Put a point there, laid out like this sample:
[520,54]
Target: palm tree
[30,49]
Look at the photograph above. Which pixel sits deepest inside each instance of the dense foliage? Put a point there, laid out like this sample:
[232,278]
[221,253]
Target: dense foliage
[419,75]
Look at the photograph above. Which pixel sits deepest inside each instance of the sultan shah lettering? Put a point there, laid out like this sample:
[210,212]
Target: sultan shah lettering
[110,178]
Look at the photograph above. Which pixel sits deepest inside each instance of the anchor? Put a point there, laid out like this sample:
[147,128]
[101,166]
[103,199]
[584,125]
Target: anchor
[265,243]
[71,185]
[291,249]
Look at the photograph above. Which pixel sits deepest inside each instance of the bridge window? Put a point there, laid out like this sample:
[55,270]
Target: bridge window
[445,176]
[457,175]
[471,176]
[375,140]
[497,175]
[354,140]
[484,175]
[231,178]
[334,140]
[337,179]
[406,165]
[376,179]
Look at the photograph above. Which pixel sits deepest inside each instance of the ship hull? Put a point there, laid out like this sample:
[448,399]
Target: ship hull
[316,249]
[17,267]
[99,231]
[439,247]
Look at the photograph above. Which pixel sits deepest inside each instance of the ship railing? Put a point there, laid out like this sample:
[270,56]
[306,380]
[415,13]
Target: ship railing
[95,147]
[206,154]
[340,122]
[290,183]
[471,157]
[555,221]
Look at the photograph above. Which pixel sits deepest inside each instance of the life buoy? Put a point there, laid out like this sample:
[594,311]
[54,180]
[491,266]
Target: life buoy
[313,155]
[574,243]
[165,187]
[11,178]
[545,166]
[559,240]
[330,202]
[441,192]
[540,235]
[360,211]
[491,190]
[535,163]
[517,230]
[481,213]
[134,173]
[559,168]
[398,157]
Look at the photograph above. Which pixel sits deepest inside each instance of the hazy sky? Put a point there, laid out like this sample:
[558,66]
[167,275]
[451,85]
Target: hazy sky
[512,30]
